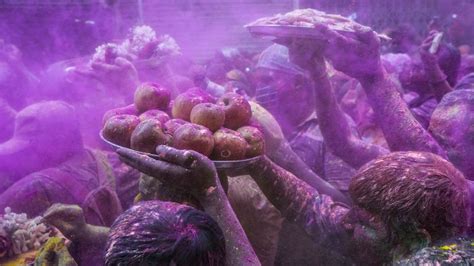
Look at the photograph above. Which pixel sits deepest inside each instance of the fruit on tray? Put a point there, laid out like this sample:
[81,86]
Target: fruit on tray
[194,137]
[237,110]
[209,115]
[255,141]
[118,129]
[151,96]
[228,145]
[148,135]
[221,130]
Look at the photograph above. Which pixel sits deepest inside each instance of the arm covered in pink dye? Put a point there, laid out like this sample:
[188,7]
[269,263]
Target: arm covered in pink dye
[319,215]
[336,130]
[359,57]
[402,131]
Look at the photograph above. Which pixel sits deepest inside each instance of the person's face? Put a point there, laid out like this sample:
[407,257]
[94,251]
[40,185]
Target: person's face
[291,94]
[413,78]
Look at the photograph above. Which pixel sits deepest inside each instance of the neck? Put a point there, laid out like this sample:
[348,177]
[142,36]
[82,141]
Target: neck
[91,235]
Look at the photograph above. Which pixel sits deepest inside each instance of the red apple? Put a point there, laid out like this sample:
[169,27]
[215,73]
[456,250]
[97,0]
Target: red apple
[172,125]
[237,110]
[202,93]
[209,115]
[148,135]
[193,137]
[127,110]
[228,145]
[155,114]
[118,129]
[184,103]
[255,141]
[151,96]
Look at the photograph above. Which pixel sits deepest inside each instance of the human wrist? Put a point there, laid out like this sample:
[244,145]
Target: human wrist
[374,77]
[211,195]
[257,168]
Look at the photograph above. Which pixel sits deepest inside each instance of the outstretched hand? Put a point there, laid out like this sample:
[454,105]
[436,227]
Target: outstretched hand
[120,74]
[185,169]
[357,56]
[427,57]
[68,219]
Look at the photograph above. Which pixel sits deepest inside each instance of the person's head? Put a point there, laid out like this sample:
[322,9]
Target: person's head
[282,87]
[418,197]
[414,78]
[404,37]
[45,134]
[165,233]
[452,125]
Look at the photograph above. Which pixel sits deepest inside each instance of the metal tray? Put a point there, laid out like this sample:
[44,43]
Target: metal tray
[288,31]
[220,165]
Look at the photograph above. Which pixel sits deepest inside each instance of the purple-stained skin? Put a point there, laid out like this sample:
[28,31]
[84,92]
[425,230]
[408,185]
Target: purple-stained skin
[44,55]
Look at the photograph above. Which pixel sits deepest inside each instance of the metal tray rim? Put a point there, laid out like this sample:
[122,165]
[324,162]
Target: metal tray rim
[221,165]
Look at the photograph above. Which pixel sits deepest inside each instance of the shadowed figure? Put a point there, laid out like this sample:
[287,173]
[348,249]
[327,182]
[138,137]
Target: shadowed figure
[88,241]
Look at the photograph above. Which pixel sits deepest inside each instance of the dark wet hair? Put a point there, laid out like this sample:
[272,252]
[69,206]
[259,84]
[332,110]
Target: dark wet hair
[161,233]
[419,196]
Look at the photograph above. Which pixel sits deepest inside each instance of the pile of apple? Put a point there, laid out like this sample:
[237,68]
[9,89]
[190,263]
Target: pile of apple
[195,121]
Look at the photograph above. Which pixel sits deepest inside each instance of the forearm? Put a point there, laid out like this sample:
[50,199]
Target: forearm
[239,251]
[97,235]
[336,130]
[401,130]
[285,157]
[296,200]
[438,80]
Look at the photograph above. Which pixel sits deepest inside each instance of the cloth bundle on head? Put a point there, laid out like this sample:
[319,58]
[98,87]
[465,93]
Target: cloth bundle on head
[50,125]
[276,57]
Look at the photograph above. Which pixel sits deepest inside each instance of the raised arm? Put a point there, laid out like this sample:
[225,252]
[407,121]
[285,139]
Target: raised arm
[359,57]
[196,174]
[280,151]
[318,214]
[333,122]
[437,77]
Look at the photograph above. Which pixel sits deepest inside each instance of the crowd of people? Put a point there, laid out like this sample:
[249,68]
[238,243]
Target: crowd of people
[369,155]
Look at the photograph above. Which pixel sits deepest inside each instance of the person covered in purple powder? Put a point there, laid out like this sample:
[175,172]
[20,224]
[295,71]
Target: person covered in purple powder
[45,162]
[157,233]
[286,92]
[196,174]
[165,233]
[430,76]
[394,212]
[360,58]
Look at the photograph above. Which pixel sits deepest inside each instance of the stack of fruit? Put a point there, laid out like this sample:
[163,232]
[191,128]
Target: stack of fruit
[219,129]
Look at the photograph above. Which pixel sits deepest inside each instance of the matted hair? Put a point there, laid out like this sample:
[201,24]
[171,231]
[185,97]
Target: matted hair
[161,233]
[414,192]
